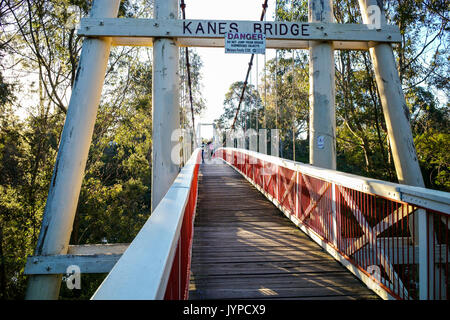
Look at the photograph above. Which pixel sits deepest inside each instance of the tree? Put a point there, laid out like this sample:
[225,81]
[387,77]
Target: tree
[363,145]
[250,105]
[40,45]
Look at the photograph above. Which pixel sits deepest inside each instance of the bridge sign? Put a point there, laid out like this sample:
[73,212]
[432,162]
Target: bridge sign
[211,33]
[243,42]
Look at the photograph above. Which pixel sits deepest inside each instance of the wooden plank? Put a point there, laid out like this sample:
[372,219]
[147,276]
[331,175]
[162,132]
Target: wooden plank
[259,234]
[239,221]
[272,211]
[220,43]
[246,244]
[207,258]
[255,242]
[58,264]
[328,298]
[262,224]
[271,267]
[268,227]
[89,249]
[242,253]
[290,280]
[250,238]
[243,249]
[90,258]
[212,32]
[274,292]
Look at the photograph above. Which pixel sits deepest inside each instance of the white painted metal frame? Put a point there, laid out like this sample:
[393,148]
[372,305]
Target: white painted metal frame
[144,269]
[427,198]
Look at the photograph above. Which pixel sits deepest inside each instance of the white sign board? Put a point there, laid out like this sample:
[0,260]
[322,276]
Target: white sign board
[320,142]
[243,42]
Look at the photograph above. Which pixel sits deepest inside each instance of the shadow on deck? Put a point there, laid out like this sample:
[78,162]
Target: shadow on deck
[245,248]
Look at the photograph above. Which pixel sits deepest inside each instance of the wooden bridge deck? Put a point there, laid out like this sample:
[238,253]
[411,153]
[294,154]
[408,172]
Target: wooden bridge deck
[245,248]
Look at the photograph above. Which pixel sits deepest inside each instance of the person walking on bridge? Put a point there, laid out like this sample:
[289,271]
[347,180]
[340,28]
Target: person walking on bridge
[203,152]
[208,148]
[211,148]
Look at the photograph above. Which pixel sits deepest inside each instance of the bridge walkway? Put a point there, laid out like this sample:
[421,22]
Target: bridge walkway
[245,248]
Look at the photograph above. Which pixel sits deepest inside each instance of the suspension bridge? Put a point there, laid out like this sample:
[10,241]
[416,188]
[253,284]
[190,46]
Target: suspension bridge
[245,224]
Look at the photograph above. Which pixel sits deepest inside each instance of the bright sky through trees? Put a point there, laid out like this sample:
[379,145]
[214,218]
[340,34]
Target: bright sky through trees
[220,70]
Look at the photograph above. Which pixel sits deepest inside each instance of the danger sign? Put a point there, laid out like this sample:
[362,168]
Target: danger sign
[242,42]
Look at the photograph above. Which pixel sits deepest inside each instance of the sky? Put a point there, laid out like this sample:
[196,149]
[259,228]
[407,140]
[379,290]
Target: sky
[220,70]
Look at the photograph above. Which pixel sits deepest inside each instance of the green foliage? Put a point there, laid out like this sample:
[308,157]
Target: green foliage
[251,103]
[27,149]
[198,101]
[281,101]
[432,148]
[362,142]
[115,195]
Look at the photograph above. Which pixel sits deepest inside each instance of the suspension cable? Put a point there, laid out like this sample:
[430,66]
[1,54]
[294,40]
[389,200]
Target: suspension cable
[276,90]
[265,87]
[257,90]
[293,105]
[188,68]
[247,107]
[293,89]
[249,68]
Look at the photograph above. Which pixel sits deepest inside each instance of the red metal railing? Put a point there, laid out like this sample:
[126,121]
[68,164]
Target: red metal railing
[178,283]
[398,247]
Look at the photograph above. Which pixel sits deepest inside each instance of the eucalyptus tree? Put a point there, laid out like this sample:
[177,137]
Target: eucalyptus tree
[39,52]
[422,58]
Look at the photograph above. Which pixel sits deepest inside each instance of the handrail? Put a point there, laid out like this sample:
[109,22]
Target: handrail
[427,198]
[394,238]
[156,264]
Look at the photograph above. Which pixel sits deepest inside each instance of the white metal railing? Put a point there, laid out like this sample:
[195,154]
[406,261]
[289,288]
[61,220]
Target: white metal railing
[156,264]
[394,237]
[428,198]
